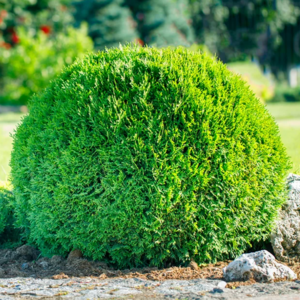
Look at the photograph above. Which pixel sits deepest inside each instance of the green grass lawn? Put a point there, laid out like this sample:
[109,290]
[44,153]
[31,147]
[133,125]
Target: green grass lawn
[286,114]
[291,139]
[8,122]
[285,110]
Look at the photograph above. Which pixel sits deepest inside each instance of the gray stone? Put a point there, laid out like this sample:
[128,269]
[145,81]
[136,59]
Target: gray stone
[27,252]
[44,265]
[260,265]
[285,238]
[24,266]
[75,254]
[56,260]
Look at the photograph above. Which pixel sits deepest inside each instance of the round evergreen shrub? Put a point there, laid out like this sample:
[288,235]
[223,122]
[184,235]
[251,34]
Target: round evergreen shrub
[140,156]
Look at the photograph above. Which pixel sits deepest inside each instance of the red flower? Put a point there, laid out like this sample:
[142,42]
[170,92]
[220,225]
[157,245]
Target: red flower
[140,42]
[15,39]
[3,14]
[5,45]
[46,29]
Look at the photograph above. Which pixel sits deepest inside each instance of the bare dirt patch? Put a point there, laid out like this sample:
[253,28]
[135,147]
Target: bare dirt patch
[26,262]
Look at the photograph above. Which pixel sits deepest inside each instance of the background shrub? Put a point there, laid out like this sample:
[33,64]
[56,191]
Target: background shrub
[28,68]
[9,235]
[5,209]
[286,93]
[147,157]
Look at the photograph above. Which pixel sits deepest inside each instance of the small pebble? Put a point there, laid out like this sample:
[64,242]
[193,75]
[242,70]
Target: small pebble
[56,260]
[24,266]
[75,254]
[193,265]
[44,265]
[222,284]
[216,290]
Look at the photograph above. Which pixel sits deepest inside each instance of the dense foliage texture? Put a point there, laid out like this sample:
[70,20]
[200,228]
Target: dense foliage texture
[144,157]
[151,22]
[110,22]
[36,60]
[10,236]
[237,30]
[35,42]
[6,197]
[162,23]
[49,16]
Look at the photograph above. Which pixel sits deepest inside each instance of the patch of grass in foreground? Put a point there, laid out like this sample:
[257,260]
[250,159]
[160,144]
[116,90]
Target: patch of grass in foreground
[290,131]
[284,110]
[8,122]
[291,139]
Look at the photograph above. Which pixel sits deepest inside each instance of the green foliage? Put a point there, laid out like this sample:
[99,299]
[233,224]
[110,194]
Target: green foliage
[142,156]
[36,60]
[33,15]
[209,18]
[200,48]
[237,30]
[283,47]
[151,22]
[286,93]
[163,23]
[110,22]
[255,26]
[5,209]
[9,235]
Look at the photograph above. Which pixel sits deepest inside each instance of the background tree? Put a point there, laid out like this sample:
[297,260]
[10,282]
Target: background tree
[49,16]
[236,30]
[208,17]
[163,23]
[36,42]
[284,52]
[254,27]
[110,22]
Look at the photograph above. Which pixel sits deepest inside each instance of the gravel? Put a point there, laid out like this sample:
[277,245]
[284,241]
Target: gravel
[136,288]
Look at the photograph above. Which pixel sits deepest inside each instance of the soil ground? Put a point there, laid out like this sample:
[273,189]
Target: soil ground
[25,261]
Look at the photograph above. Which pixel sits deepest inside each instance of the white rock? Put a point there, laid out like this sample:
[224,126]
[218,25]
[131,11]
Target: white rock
[285,238]
[260,265]
[293,181]
[222,284]
[44,265]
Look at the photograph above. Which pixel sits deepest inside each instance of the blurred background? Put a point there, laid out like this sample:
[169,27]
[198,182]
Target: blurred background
[258,39]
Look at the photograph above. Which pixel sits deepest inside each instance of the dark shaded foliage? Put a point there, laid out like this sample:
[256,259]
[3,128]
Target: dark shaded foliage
[9,235]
